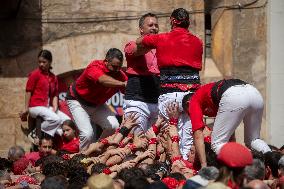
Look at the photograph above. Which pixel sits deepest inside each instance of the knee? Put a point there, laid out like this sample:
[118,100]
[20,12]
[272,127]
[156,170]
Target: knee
[87,136]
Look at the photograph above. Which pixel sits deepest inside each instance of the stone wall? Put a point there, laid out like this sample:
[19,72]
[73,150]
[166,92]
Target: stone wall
[239,45]
[75,31]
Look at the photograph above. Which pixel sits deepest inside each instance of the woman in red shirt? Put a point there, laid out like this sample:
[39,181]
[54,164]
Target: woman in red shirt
[42,95]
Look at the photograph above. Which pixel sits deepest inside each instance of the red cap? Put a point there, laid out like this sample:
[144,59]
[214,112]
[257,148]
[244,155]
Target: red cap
[235,155]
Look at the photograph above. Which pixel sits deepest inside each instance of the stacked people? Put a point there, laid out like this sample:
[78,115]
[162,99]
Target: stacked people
[162,141]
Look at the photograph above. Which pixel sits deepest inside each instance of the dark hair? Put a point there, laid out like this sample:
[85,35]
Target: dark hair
[178,176]
[137,183]
[45,137]
[128,174]
[185,100]
[5,164]
[53,169]
[98,168]
[158,185]
[271,160]
[114,53]
[57,182]
[70,123]
[46,54]
[143,17]
[181,15]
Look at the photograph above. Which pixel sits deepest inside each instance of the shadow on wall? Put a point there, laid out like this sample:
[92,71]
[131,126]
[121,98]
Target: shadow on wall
[20,36]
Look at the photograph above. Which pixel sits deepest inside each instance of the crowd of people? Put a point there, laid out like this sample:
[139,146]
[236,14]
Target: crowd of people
[162,141]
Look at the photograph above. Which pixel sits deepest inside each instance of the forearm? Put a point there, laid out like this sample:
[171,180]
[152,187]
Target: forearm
[27,100]
[108,81]
[200,147]
[92,148]
[55,103]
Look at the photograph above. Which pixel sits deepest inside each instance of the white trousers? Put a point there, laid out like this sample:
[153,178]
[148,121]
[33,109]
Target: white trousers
[184,123]
[148,113]
[239,103]
[51,120]
[83,115]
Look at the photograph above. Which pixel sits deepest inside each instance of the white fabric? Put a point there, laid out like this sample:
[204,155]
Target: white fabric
[148,113]
[184,123]
[83,115]
[51,120]
[240,102]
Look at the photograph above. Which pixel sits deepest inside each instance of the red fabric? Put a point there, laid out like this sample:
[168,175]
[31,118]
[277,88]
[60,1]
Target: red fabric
[63,107]
[140,65]
[235,155]
[172,183]
[181,86]
[88,87]
[33,157]
[20,166]
[71,146]
[201,104]
[42,86]
[176,48]
[26,178]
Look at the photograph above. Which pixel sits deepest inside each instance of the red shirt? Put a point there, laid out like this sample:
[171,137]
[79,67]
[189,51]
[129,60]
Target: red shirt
[201,104]
[70,146]
[140,65]
[33,157]
[88,87]
[176,48]
[43,86]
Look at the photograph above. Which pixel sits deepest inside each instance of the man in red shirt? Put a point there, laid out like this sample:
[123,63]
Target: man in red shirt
[142,90]
[44,149]
[87,96]
[231,101]
[179,57]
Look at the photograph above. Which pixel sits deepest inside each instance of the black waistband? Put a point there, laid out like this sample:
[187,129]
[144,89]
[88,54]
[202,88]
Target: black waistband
[221,86]
[77,96]
[143,88]
[185,75]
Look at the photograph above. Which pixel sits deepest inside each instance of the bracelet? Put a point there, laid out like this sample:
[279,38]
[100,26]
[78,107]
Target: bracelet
[155,128]
[175,139]
[173,121]
[107,171]
[124,131]
[104,141]
[176,158]
[130,135]
[153,141]
[132,147]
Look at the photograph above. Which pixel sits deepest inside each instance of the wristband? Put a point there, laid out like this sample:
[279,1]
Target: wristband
[175,139]
[104,141]
[66,156]
[173,121]
[153,141]
[132,147]
[207,139]
[176,158]
[107,171]
[130,136]
[121,144]
[124,131]
[155,129]
[117,130]
[158,154]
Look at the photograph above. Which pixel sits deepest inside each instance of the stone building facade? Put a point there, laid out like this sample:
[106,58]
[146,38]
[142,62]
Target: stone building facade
[78,31]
